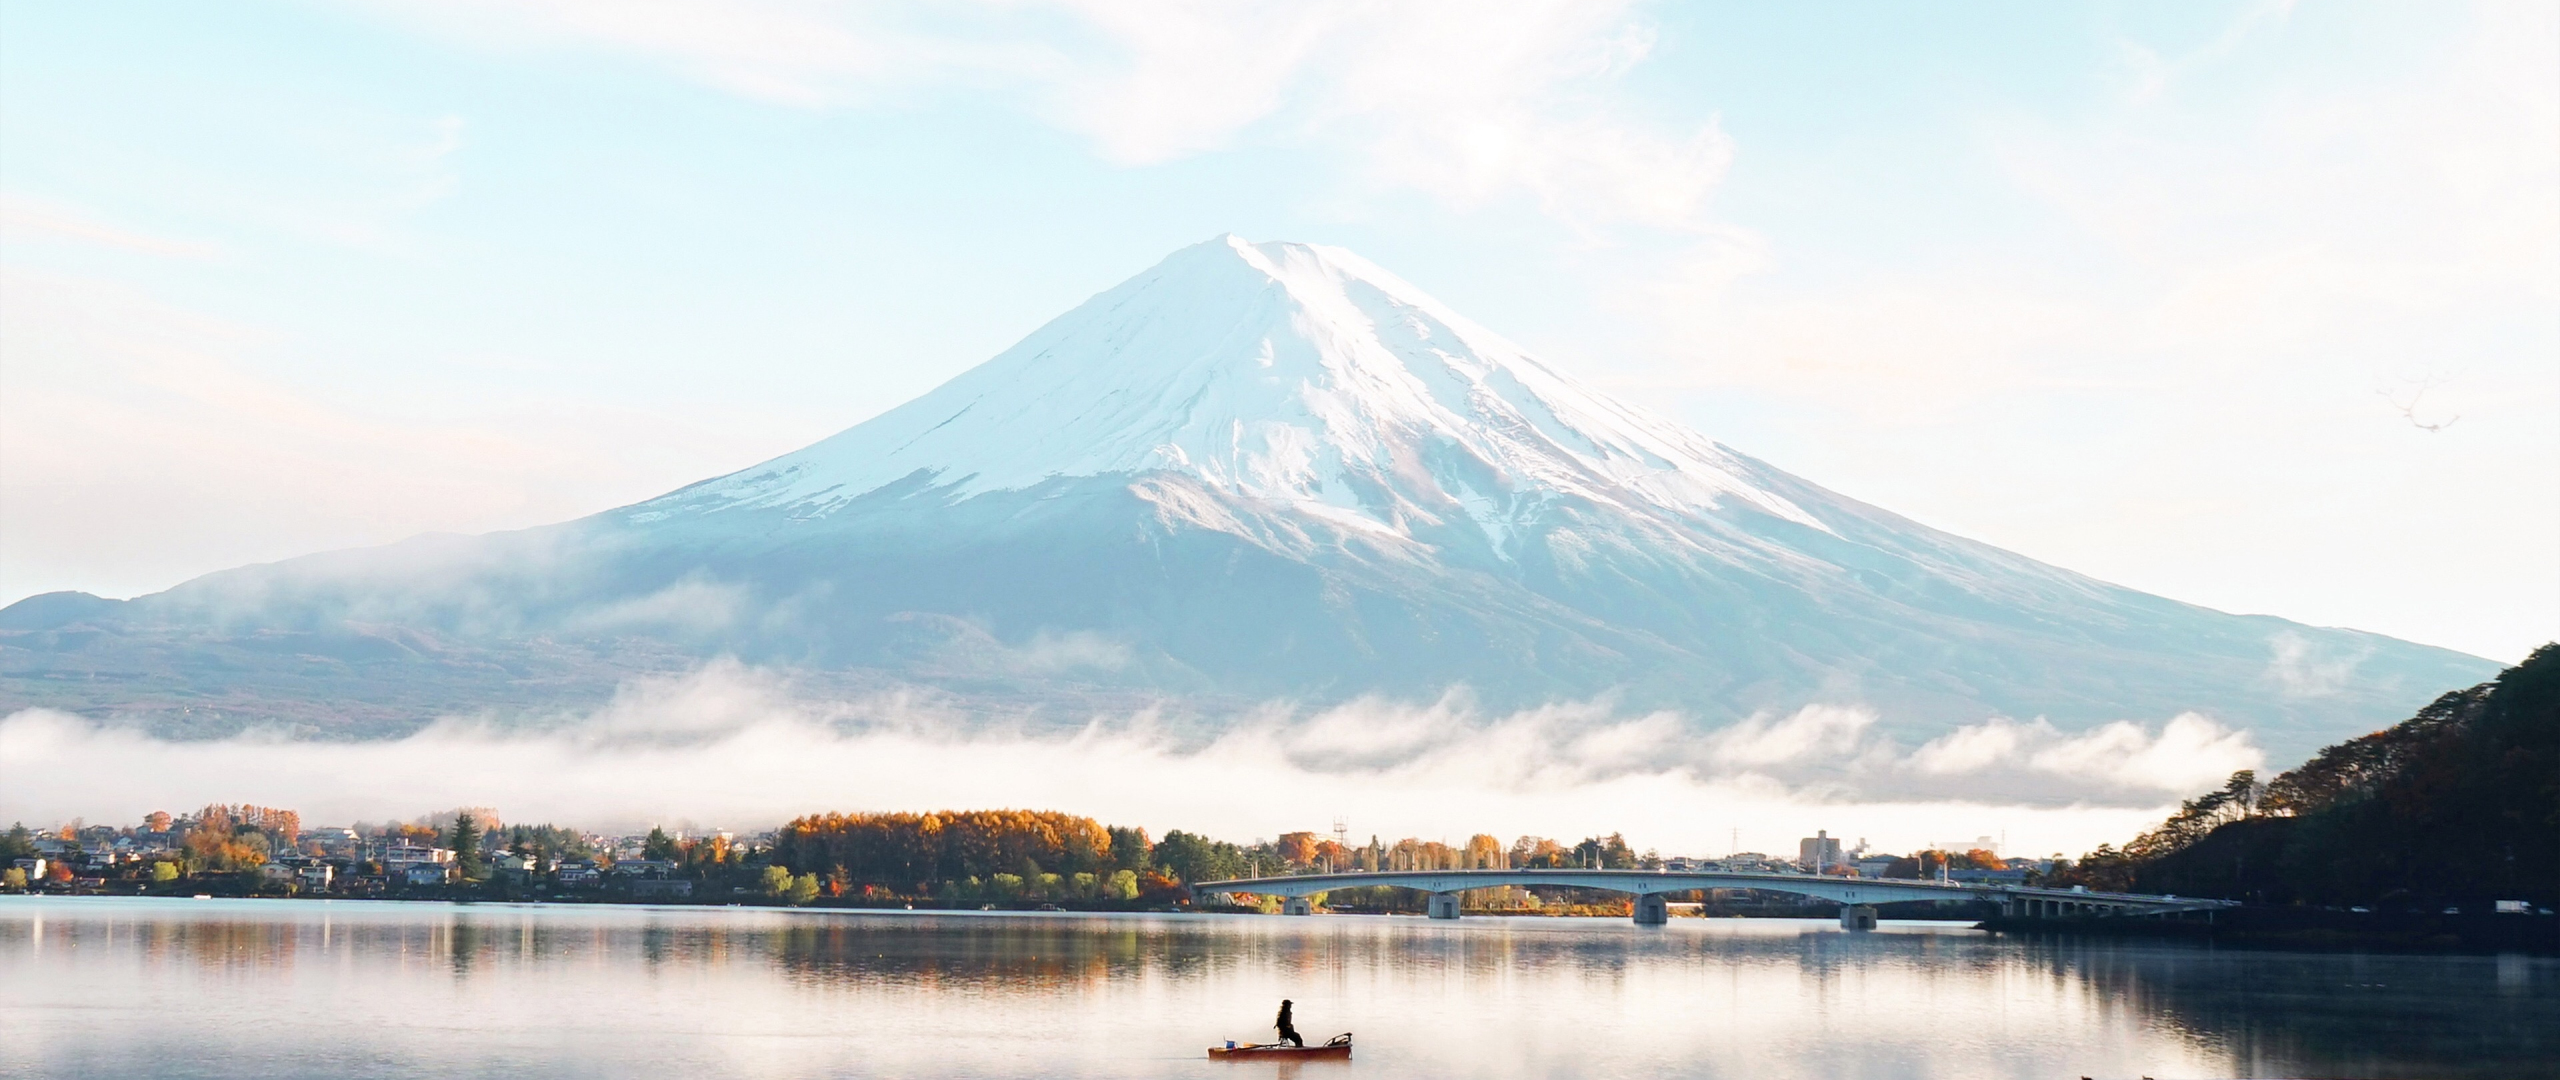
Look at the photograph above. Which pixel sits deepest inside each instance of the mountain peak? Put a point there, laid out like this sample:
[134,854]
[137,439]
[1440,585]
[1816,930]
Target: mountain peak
[1284,373]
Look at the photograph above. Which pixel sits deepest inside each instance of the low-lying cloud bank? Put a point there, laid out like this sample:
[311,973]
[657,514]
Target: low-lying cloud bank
[734,747]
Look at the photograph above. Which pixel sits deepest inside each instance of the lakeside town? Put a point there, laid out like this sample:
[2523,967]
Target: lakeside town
[984,859]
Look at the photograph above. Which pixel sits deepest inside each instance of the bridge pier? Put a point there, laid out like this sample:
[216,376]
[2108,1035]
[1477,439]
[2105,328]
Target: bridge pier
[1297,905]
[1444,905]
[1857,917]
[1652,909]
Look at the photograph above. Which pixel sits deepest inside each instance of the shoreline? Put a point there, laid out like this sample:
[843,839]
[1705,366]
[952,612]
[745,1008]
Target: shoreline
[2313,930]
[2269,929]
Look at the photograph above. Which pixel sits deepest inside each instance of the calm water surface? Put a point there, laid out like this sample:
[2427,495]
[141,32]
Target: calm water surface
[238,988]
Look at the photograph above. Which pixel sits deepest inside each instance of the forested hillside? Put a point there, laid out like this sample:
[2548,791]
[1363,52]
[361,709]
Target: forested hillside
[2458,804]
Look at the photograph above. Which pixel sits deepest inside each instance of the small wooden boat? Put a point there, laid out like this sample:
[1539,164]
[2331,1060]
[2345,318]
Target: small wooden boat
[1337,1048]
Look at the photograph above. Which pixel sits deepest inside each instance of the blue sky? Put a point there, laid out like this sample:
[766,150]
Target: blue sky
[2249,305]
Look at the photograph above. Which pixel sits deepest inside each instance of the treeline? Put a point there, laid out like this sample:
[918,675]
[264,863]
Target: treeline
[950,858]
[917,851]
[1005,855]
[969,855]
[2458,804]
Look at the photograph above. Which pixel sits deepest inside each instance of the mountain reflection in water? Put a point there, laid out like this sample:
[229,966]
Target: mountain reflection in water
[112,987]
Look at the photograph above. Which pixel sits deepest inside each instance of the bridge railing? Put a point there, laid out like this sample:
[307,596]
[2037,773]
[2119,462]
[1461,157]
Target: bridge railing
[1648,886]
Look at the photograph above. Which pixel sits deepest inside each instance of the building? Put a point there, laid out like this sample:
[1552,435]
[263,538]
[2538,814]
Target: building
[1875,865]
[406,854]
[423,874]
[579,874]
[661,889]
[1818,852]
[516,868]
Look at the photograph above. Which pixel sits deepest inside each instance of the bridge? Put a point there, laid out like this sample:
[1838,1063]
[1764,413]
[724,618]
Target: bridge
[1857,897]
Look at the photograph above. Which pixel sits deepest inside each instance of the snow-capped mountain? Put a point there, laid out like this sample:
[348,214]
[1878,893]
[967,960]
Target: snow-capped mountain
[1297,376]
[1254,471]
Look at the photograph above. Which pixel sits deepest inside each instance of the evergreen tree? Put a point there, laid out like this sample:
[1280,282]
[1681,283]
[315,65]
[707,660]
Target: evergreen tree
[465,842]
[1191,857]
[1130,850]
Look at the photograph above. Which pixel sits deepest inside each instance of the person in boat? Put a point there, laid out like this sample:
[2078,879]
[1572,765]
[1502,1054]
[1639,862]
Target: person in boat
[1288,1030]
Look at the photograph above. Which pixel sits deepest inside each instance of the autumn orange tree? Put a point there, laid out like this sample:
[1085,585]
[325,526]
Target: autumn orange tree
[1539,852]
[915,852]
[1299,849]
[225,837]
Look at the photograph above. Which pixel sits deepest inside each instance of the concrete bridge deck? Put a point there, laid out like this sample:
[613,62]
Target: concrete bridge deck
[1857,896]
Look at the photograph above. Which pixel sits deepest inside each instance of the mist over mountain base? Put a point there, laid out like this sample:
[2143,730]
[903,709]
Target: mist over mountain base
[740,747]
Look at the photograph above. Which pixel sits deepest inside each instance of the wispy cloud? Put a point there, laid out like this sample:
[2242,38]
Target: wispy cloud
[2188,753]
[1815,731]
[2303,669]
[738,746]
[690,605]
[1467,103]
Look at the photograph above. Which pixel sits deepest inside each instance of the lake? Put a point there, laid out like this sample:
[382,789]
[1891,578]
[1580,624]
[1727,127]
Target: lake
[115,987]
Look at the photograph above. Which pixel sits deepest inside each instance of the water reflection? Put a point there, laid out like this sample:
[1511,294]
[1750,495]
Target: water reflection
[100,986]
[2348,1014]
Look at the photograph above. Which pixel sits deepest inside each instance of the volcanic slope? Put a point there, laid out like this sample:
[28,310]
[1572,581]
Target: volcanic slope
[1254,471]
